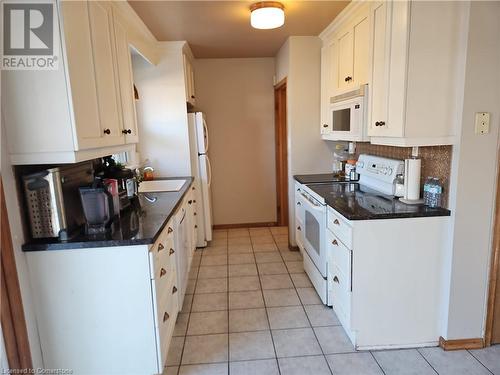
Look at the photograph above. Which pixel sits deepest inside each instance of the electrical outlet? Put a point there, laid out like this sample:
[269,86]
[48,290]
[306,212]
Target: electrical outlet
[482,124]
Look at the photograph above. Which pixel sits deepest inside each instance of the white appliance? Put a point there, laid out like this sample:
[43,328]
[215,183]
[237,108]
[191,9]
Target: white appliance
[348,115]
[202,172]
[376,173]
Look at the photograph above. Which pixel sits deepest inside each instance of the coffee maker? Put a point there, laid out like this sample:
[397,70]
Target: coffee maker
[127,185]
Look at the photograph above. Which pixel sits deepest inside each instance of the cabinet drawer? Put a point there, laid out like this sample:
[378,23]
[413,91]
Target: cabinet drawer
[166,318]
[339,227]
[162,253]
[338,254]
[341,294]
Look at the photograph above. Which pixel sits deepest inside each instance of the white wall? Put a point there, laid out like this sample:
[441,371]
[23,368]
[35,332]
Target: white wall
[299,59]
[237,95]
[162,112]
[14,213]
[472,197]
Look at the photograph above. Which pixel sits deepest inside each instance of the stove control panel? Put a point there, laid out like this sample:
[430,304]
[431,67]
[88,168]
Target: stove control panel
[378,172]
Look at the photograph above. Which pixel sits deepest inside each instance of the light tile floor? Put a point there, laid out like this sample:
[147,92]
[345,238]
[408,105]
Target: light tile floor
[251,309]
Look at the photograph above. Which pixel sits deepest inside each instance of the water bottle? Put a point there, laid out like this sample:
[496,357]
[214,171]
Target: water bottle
[435,193]
[427,187]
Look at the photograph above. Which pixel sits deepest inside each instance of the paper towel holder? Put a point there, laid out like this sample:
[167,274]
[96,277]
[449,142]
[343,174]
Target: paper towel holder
[412,181]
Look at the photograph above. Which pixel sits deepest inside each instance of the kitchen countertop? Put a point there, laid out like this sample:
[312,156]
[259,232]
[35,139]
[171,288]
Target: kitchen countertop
[141,224]
[317,178]
[356,202]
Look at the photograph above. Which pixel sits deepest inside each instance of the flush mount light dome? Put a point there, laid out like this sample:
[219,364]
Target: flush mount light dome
[267,15]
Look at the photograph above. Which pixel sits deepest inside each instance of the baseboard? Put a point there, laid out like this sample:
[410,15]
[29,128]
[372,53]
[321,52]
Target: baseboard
[293,248]
[461,344]
[245,225]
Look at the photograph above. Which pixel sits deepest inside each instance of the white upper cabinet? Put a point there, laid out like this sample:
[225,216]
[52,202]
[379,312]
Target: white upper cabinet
[83,109]
[189,79]
[412,56]
[417,55]
[126,85]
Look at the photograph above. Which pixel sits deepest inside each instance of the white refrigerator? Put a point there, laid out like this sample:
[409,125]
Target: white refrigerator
[202,173]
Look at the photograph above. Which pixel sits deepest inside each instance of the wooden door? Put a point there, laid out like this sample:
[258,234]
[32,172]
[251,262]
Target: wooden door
[280,119]
[102,35]
[492,335]
[12,312]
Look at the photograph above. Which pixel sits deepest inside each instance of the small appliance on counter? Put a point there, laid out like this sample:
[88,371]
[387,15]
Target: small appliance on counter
[127,184]
[52,200]
[97,204]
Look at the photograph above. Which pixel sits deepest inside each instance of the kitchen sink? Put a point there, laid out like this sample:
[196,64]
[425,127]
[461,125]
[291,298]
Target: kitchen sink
[160,186]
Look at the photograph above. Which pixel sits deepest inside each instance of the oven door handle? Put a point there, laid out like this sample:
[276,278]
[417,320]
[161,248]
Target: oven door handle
[312,202]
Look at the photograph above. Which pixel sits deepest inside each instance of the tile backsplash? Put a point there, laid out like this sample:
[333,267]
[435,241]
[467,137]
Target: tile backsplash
[436,161]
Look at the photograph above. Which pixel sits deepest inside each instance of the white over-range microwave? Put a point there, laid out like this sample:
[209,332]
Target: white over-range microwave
[347,116]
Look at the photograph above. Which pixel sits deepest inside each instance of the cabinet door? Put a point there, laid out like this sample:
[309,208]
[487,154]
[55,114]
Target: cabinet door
[380,50]
[82,81]
[101,28]
[189,80]
[345,59]
[325,126]
[126,85]
[361,33]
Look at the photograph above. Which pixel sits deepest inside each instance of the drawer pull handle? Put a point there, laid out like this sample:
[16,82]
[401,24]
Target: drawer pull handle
[165,317]
[336,222]
[174,290]
[299,228]
[163,272]
[334,242]
[169,230]
[336,279]
[171,251]
[160,247]
[299,204]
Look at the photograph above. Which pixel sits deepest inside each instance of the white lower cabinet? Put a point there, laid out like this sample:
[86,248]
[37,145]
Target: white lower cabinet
[111,310]
[384,279]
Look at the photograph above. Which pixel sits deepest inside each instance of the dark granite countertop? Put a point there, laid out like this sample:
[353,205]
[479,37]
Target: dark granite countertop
[317,178]
[356,202]
[141,224]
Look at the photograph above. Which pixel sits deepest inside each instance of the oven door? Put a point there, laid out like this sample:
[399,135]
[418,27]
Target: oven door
[314,231]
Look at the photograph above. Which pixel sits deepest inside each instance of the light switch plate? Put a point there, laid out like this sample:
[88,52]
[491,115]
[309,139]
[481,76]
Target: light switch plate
[482,123]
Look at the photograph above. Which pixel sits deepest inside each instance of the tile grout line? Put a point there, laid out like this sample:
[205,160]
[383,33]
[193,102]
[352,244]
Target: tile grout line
[307,316]
[473,356]
[425,359]
[267,315]
[375,359]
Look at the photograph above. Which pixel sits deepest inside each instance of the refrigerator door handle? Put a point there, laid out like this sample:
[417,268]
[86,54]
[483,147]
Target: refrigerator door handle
[209,171]
[205,133]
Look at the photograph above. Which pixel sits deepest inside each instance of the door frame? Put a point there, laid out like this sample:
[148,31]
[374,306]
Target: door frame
[281,147]
[12,312]
[494,269]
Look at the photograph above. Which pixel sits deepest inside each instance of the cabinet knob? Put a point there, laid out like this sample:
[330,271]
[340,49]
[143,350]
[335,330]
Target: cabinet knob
[107,131]
[196,227]
[381,123]
[299,228]
[174,290]
[165,317]
[171,251]
[299,204]
[190,202]
[194,214]
[194,200]
[163,272]
[169,230]
[336,221]
[325,125]
[334,242]
[336,279]
[347,79]
[127,131]
[160,247]
[192,96]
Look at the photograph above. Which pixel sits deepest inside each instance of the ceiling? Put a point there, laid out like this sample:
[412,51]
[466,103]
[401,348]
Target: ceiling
[221,29]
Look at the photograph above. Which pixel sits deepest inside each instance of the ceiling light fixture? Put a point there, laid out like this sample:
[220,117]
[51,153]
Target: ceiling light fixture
[267,15]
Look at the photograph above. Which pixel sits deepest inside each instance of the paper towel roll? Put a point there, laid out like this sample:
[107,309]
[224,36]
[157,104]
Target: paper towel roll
[412,178]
